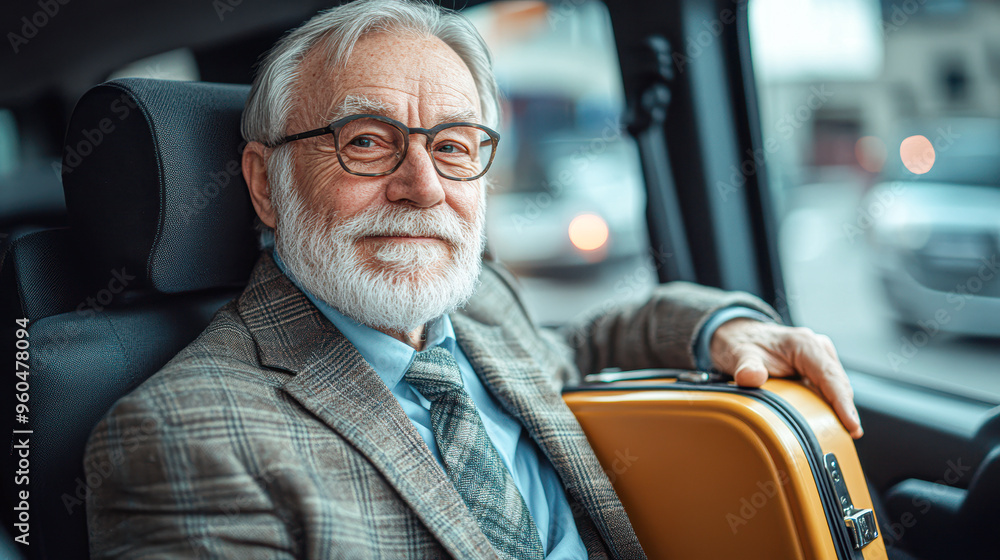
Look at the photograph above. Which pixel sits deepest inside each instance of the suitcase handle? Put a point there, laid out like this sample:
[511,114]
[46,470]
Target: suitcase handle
[681,375]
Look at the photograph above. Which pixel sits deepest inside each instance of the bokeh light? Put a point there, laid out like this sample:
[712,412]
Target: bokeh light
[588,232]
[917,154]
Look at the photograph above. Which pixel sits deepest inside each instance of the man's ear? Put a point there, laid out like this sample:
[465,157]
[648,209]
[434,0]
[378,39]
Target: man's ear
[255,174]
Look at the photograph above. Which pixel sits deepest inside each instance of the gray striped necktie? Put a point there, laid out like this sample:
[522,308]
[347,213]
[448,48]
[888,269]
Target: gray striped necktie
[471,461]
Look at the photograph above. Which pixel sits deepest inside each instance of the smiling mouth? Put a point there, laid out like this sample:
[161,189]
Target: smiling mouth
[404,238]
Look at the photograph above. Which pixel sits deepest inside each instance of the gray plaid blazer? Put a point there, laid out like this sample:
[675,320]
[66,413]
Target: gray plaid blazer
[270,437]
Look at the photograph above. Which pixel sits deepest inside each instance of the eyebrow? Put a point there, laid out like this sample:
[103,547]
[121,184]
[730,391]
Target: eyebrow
[466,115]
[355,104]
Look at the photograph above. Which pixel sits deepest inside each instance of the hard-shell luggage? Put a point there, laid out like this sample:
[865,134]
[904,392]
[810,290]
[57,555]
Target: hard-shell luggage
[709,470]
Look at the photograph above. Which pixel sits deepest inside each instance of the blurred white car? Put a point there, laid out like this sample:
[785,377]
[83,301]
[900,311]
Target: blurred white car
[588,211]
[937,235]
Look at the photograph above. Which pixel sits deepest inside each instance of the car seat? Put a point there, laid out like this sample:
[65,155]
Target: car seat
[161,234]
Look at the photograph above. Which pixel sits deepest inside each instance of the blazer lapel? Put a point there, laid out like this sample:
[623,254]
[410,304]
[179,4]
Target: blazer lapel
[518,382]
[336,384]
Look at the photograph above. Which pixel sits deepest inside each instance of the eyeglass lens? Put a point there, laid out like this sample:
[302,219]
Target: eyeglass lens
[372,146]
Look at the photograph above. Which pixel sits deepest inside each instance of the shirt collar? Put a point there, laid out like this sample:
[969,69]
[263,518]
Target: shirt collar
[390,358]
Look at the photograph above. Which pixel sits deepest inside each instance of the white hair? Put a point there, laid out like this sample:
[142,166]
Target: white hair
[271,96]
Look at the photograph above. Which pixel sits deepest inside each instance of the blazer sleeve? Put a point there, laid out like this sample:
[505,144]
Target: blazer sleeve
[156,493]
[659,332]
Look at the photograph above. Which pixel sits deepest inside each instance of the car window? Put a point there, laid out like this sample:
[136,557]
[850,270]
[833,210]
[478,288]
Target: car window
[8,143]
[566,206]
[881,134]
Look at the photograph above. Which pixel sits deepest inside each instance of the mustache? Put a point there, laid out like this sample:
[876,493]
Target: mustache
[400,221]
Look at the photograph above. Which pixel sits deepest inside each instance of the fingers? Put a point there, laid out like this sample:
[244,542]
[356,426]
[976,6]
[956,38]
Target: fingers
[827,343]
[750,370]
[817,361]
[751,351]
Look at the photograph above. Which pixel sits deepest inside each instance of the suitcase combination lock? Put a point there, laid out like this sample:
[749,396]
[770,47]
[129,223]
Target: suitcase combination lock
[860,523]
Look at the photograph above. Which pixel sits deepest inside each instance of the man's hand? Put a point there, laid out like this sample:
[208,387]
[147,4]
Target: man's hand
[750,350]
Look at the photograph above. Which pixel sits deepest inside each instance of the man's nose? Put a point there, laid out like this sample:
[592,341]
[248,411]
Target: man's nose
[416,181]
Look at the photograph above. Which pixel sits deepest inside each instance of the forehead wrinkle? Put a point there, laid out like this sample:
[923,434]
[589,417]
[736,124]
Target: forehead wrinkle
[433,114]
[433,87]
[449,104]
[440,109]
[468,111]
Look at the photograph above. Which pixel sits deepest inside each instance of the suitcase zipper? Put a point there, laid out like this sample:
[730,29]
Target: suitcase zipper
[828,494]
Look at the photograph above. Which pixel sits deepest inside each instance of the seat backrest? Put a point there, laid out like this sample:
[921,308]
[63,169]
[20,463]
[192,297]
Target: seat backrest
[161,235]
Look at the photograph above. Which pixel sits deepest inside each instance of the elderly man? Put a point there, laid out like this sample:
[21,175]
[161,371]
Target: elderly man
[376,392]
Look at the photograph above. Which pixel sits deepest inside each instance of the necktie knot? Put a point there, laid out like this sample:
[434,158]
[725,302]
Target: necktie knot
[434,372]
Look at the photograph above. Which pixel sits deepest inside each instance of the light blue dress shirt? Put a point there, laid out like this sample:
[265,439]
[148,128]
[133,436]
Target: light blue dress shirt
[532,472]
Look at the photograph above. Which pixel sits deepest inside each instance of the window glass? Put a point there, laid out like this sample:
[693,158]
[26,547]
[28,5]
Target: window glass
[885,126]
[9,143]
[566,206]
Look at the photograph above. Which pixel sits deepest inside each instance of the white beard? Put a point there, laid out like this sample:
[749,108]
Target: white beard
[403,285]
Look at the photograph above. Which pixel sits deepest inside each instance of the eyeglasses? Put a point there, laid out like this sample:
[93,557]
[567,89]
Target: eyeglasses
[372,146]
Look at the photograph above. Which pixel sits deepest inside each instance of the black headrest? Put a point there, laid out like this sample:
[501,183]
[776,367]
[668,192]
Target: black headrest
[153,183]
[39,275]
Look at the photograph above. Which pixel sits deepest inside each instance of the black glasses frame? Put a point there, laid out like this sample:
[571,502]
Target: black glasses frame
[334,128]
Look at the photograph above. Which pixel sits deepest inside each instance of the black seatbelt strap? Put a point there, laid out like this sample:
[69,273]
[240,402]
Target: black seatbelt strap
[647,113]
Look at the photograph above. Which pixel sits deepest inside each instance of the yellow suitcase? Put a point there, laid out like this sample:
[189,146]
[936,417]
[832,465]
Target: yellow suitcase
[709,470]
